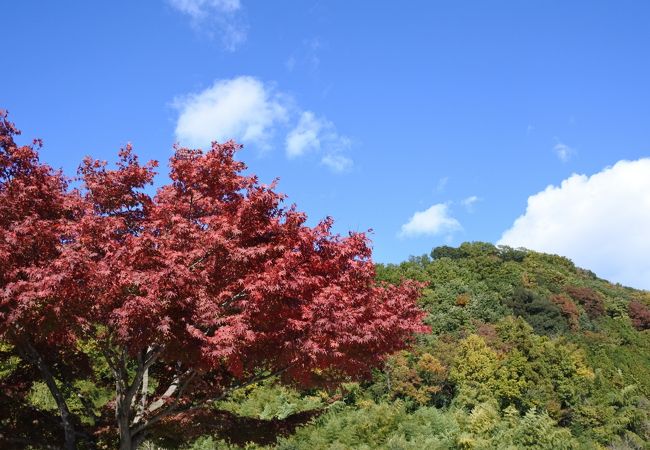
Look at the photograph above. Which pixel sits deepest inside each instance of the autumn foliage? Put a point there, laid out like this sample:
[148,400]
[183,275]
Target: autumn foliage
[568,308]
[640,315]
[589,299]
[205,286]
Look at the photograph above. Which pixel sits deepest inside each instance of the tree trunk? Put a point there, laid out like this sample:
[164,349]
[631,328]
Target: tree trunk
[126,442]
[129,441]
[31,354]
[126,408]
[122,416]
[130,438]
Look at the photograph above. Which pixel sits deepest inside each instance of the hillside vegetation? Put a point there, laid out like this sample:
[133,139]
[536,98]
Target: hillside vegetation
[526,351]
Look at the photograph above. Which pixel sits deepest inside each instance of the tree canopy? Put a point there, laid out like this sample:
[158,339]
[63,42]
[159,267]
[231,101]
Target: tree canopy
[184,295]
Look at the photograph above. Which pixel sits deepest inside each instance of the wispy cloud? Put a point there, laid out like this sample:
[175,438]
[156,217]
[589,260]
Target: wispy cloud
[314,134]
[469,202]
[290,64]
[433,221]
[214,18]
[307,56]
[198,9]
[563,151]
[337,162]
[442,184]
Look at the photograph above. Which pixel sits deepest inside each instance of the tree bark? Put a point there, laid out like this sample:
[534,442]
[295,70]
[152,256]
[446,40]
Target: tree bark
[122,416]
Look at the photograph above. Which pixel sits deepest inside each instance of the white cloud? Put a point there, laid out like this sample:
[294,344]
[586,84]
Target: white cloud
[306,136]
[469,202]
[563,151]
[433,221]
[251,112]
[243,108]
[215,17]
[313,134]
[601,222]
[337,163]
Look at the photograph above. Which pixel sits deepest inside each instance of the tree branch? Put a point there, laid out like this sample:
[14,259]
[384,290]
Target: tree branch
[175,386]
[150,357]
[199,260]
[29,353]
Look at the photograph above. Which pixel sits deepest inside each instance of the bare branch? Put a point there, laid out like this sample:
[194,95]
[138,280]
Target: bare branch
[175,386]
[151,355]
[199,261]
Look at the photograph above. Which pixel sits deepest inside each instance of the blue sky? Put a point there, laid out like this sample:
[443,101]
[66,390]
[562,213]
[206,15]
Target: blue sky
[430,122]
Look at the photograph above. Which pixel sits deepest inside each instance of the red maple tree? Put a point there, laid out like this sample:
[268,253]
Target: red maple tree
[208,285]
[35,205]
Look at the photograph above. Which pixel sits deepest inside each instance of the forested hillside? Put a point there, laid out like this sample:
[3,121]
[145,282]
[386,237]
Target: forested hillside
[526,351]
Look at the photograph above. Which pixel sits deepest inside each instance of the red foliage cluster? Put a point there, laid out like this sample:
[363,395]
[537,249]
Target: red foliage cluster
[639,314]
[589,299]
[222,277]
[206,284]
[487,331]
[568,308]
